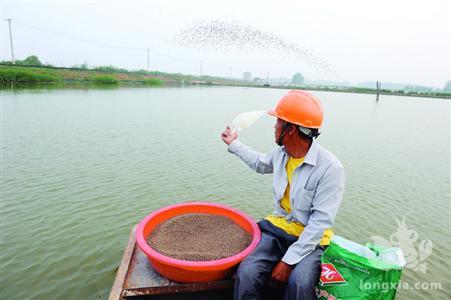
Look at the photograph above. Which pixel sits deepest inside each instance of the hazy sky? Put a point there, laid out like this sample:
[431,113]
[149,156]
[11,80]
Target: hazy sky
[397,41]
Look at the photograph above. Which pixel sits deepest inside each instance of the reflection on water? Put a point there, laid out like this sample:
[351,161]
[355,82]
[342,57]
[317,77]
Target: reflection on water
[82,166]
[27,87]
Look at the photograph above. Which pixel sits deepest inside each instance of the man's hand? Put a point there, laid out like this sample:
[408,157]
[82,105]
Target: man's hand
[228,136]
[280,275]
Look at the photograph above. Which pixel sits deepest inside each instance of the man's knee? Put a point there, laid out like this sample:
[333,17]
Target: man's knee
[302,282]
[248,271]
[248,281]
[243,273]
[304,277]
[253,271]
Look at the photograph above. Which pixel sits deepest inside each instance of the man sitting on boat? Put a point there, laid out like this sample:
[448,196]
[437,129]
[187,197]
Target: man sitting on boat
[308,187]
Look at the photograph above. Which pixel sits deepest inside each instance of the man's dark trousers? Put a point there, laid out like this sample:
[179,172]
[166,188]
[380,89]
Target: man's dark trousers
[255,270]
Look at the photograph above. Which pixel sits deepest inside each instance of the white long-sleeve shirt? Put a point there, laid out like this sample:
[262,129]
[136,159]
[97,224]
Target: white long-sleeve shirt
[316,191]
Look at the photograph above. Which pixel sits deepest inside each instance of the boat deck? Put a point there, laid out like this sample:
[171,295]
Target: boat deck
[136,279]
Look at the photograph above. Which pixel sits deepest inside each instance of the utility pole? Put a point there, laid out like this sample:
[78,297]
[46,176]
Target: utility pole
[148,60]
[11,41]
[200,68]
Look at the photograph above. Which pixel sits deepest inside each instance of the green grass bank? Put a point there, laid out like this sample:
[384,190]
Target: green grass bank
[111,76]
[23,74]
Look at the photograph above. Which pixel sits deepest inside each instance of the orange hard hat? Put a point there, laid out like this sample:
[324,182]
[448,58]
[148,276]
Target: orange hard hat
[300,108]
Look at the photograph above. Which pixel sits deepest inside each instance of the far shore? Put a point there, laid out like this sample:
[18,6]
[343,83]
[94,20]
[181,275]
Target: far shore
[47,77]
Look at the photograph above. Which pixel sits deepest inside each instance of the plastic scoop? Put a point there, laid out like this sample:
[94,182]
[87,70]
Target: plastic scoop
[246,119]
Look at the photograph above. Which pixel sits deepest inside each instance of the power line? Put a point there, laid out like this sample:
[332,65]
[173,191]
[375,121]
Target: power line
[147,49]
[76,38]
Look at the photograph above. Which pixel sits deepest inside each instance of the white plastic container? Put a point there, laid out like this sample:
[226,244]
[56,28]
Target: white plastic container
[246,119]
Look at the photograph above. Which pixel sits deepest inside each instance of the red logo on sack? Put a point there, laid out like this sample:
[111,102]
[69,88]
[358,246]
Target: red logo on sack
[330,275]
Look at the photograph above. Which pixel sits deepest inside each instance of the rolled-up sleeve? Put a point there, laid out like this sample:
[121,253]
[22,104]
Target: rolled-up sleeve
[325,204]
[259,162]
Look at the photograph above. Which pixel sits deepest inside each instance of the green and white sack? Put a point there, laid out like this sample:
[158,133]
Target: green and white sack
[353,271]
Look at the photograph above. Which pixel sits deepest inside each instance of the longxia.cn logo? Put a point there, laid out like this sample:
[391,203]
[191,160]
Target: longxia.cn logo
[406,239]
[330,275]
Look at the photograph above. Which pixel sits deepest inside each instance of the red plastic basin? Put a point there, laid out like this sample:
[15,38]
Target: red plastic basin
[195,271]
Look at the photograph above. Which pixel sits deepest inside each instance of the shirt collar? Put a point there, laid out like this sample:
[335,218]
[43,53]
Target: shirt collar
[312,155]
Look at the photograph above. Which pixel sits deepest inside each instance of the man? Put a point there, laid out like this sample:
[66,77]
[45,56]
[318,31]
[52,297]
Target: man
[308,187]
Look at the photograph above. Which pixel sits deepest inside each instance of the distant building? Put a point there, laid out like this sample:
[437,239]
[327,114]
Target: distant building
[247,76]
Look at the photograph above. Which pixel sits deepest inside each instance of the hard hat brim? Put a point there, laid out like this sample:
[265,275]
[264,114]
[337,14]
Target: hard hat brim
[272,112]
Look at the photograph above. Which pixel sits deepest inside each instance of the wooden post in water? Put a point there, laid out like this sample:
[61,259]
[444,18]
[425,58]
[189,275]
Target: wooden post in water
[378,88]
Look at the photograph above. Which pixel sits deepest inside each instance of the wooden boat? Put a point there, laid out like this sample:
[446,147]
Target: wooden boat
[136,279]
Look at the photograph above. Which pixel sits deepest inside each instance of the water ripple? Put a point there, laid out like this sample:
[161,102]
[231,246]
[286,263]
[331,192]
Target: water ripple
[76,180]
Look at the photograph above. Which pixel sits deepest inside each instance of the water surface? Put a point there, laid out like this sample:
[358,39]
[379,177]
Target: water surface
[81,167]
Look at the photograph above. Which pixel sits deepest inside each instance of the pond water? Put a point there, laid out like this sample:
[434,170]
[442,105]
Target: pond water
[80,167]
